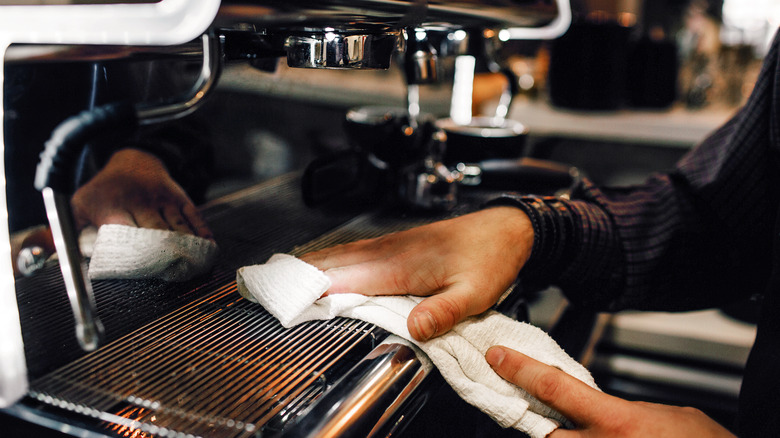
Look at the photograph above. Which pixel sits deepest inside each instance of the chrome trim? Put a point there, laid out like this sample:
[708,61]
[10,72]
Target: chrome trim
[41,53]
[209,73]
[13,367]
[165,22]
[74,269]
[557,27]
[335,50]
[366,397]
[385,14]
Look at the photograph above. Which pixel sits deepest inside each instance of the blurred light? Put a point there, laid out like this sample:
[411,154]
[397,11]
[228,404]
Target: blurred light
[627,19]
[462,89]
[504,35]
[750,22]
[526,81]
[460,35]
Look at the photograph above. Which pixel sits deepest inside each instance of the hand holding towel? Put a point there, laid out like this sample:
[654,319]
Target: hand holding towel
[125,252]
[290,289]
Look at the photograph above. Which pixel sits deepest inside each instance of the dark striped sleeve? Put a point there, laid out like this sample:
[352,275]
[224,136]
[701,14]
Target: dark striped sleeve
[697,237]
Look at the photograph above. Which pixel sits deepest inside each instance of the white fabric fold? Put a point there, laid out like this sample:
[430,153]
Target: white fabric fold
[125,252]
[290,289]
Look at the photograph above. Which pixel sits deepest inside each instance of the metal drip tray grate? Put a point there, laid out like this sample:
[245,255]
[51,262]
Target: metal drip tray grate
[219,367]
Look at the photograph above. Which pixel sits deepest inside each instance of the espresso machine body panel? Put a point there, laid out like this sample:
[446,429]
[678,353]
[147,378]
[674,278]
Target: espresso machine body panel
[194,358]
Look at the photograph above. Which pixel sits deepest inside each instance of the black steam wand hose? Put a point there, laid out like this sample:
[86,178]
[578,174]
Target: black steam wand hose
[54,178]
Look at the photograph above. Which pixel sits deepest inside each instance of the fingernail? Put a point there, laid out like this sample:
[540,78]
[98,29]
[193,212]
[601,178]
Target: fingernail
[495,356]
[425,324]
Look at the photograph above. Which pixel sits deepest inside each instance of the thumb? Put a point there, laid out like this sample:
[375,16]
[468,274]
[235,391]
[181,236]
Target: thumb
[571,397]
[437,314]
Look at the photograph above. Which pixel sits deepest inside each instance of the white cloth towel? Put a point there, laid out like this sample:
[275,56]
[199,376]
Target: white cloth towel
[290,289]
[124,252]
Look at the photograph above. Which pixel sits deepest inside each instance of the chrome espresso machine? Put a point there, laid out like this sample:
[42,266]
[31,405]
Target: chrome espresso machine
[146,358]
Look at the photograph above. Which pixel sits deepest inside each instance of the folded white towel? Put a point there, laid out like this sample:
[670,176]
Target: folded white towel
[124,252]
[289,289]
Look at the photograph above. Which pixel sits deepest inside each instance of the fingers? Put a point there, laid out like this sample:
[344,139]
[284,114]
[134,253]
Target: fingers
[196,222]
[121,217]
[439,313]
[183,219]
[97,214]
[174,219]
[150,218]
[170,216]
[345,255]
[574,399]
[434,315]
[389,276]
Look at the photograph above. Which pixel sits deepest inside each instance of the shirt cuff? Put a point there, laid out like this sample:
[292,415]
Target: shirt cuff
[555,234]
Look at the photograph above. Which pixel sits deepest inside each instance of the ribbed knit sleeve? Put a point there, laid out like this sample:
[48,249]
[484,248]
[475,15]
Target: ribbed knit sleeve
[699,236]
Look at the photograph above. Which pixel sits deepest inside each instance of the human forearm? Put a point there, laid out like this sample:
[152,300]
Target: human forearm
[575,245]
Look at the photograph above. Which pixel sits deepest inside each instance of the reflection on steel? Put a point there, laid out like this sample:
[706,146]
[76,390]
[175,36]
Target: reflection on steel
[420,60]
[384,14]
[366,397]
[334,50]
[549,31]
[38,53]
[209,73]
[31,259]
[74,270]
[431,186]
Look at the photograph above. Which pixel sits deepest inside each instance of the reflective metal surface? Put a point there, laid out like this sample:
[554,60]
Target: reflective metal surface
[433,186]
[74,270]
[331,49]
[209,73]
[31,259]
[420,59]
[383,14]
[366,396]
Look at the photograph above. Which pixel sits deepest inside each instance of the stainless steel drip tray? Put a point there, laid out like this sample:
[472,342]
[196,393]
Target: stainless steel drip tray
[219,367]
[212,364]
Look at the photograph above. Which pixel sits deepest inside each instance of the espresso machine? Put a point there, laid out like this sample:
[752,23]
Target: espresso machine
[149,358]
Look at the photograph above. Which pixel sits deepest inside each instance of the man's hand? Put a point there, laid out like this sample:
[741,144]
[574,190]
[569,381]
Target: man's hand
[134,188]
[594,413]
[466,263]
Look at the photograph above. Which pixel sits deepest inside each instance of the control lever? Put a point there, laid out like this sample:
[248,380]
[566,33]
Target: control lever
[529,175]
[434,186]
[429,184]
